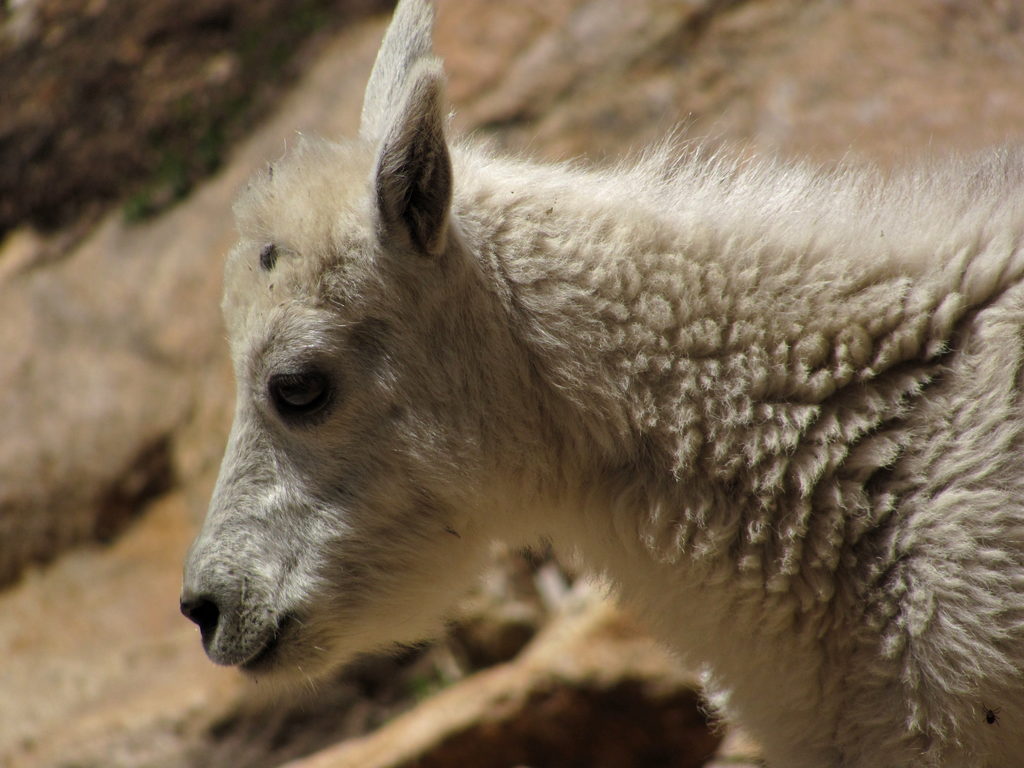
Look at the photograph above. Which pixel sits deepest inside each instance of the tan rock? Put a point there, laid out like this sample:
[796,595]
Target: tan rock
[872,79]
[592,690]
[98,663]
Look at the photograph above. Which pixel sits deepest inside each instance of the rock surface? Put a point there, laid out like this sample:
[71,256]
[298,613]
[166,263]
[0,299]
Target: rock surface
[103,101]
[870,79]
[99,671]
[589,672]
[116,393]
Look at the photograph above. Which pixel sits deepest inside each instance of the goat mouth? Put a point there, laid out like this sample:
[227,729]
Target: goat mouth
[264,658]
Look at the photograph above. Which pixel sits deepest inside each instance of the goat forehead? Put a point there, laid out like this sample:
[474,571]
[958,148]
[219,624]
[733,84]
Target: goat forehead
[305,225]
[306,191]
[306,211]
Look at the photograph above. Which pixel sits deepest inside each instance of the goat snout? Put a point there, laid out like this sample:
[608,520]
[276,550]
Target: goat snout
[237,622]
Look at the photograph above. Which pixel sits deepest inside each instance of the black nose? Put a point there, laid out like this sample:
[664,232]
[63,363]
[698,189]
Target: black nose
[204,612]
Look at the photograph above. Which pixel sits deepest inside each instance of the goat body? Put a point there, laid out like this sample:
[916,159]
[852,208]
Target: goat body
[778,409]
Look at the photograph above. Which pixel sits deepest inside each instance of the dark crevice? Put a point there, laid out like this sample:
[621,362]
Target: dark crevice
[150,475]
[622,726]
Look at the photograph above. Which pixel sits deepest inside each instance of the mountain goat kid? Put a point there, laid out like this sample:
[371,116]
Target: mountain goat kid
[780,410]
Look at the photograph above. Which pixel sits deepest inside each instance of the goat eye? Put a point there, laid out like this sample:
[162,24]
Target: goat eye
[299,394]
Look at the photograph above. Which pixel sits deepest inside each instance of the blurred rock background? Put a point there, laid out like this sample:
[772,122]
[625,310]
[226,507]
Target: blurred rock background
[125,132]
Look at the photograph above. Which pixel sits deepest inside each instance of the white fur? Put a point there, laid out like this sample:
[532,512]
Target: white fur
[778,408]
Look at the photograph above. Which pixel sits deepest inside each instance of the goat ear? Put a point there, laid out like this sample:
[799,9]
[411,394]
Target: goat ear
[413,173]
[407,40]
